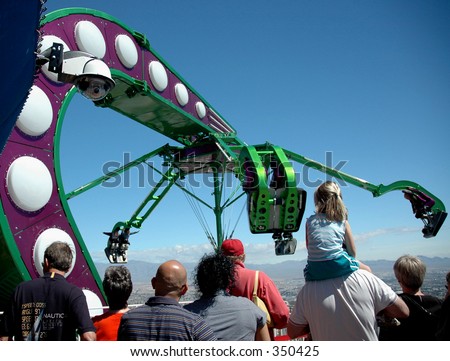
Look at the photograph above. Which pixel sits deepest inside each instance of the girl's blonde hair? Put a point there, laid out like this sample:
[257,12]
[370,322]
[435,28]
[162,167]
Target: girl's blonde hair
[328,200]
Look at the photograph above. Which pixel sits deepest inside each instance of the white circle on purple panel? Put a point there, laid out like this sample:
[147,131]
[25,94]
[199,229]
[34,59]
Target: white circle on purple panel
[158,75]
[46,43]
[181,94]
[94,303]
[126,51]
[44,240]
[201,109]
[90,39]
[37,113]
[29,183]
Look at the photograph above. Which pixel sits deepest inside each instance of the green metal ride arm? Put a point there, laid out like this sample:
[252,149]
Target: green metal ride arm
[116,172]
[376,190]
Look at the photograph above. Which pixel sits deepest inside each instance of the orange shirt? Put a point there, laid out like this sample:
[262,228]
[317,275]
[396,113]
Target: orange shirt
[107,326]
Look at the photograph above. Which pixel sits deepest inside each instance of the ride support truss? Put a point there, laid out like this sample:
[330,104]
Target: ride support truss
[275,203]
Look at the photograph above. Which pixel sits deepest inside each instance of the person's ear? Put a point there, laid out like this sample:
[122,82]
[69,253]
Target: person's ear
[184,289]
[45,264]
[153,282]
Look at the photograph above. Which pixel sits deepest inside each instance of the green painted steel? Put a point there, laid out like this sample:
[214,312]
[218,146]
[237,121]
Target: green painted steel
[253,165]
[165,183]
[115,172]
[62,195]
[376,190]
[134,99]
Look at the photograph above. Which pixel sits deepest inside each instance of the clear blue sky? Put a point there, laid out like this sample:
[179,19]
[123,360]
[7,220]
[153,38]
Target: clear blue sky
[365,81]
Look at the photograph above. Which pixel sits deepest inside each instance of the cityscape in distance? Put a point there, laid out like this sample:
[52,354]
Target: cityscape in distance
[288,276]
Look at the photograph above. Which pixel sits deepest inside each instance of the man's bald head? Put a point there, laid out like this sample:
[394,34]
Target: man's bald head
[170,280]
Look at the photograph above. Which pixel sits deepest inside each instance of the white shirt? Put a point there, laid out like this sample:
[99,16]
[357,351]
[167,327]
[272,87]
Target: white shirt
[343,308]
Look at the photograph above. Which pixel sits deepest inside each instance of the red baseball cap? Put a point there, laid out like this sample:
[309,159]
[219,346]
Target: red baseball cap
[232,247]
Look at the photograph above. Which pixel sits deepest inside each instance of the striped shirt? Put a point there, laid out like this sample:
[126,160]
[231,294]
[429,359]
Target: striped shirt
[163,319]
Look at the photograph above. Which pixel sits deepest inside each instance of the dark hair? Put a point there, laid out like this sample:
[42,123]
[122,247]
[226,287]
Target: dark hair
[215,272]
[59,256]
[117,286]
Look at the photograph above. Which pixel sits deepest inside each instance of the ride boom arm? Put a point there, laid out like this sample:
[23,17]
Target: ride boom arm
[426,206]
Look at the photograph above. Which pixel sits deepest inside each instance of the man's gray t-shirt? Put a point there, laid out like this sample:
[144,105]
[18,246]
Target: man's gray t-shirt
[231,318]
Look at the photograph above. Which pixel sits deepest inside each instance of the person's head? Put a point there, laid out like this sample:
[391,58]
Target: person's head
[328,200]
[58,256]
[234,249]
[170,280]
[410,273]
[214,273]
[117,286]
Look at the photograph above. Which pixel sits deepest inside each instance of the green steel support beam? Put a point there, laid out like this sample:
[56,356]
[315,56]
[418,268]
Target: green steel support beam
[218,210]
[115,172]
[376,190]
[169,177]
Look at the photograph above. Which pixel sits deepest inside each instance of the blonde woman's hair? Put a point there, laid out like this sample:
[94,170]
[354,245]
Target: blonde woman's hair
[328,200]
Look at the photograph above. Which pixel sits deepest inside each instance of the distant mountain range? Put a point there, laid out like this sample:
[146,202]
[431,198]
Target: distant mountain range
[142,271]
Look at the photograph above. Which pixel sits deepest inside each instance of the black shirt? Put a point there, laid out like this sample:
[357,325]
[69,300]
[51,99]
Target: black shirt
[421,325]
[64,307]
[443,332]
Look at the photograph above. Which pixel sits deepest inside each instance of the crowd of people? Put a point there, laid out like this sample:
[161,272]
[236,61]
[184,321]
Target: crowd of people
[340,300]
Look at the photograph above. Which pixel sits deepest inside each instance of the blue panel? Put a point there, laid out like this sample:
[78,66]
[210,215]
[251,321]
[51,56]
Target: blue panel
[19,21]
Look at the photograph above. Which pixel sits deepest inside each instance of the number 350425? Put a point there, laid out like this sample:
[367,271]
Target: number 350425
[293,350]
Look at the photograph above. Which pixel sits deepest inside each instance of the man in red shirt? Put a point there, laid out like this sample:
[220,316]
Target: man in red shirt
[245,281]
